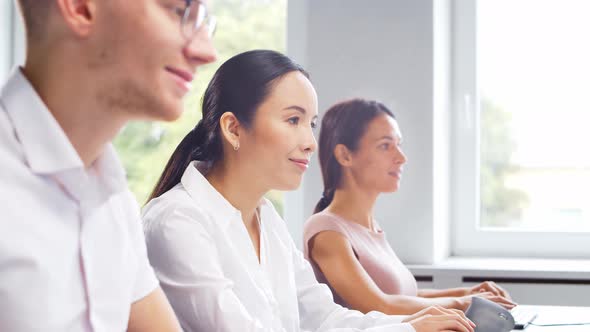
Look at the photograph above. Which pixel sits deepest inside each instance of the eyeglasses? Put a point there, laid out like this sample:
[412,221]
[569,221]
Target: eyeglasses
[194,16]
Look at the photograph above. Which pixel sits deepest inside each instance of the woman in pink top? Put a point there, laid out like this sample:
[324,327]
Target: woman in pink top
[360,157]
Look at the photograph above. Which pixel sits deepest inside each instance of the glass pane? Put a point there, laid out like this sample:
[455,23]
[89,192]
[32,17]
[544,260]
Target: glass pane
[242,25]
[534,81]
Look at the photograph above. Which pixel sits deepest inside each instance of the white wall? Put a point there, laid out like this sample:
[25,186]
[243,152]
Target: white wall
[386,50]
[12,38]
[18,38]
[297,23]
[5,38]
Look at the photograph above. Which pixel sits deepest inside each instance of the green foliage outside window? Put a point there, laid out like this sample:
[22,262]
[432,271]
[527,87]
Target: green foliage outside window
[500,205]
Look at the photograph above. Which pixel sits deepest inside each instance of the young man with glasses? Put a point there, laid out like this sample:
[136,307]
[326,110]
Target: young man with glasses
[72,252]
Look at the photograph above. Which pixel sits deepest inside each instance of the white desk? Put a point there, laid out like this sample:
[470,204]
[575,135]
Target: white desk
[559,315]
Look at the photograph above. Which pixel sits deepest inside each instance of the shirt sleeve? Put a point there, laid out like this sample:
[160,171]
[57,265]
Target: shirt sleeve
[145,279]
[320,313]
[186,261]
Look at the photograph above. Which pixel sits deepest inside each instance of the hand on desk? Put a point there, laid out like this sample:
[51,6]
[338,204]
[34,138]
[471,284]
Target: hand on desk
[488,286]
[438,319]
[465,301]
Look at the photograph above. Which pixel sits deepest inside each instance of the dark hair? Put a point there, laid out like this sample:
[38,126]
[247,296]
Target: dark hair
[344,123]
[239,86]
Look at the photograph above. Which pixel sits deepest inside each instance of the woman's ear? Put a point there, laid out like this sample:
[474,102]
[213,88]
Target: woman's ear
[343,155]
[230,125]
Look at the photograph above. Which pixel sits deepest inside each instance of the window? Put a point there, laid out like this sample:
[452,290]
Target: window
[520,167]
[145,147]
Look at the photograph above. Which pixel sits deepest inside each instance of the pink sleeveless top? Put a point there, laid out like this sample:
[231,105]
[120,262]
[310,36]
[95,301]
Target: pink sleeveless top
[371,249]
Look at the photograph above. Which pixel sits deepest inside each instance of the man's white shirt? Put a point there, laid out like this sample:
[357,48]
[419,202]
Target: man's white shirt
[72,251]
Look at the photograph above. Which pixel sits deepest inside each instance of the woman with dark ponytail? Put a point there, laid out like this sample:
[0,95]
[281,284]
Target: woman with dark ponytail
[222,254]
[360,158]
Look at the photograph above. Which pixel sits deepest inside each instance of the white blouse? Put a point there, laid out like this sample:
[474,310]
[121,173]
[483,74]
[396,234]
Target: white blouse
[208,268]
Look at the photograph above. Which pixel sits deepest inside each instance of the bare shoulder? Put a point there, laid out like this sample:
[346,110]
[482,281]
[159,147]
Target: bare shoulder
[330,244]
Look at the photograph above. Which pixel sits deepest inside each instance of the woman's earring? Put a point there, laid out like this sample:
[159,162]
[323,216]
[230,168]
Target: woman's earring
[237,146]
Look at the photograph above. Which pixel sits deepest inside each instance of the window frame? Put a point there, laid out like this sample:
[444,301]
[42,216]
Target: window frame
[468,238]
[6,37]
[18,38]
[13,39]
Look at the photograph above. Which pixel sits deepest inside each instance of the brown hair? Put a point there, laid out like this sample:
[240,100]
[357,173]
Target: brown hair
[344,123]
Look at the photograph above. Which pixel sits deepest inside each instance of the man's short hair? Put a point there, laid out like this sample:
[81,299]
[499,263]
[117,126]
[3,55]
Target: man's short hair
[35,13]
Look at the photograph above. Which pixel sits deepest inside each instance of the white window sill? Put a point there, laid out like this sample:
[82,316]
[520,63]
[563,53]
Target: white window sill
[534,269]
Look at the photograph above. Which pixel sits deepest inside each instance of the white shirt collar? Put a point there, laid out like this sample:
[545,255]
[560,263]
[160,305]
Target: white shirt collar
[45,146]
[201,191]
[199,188]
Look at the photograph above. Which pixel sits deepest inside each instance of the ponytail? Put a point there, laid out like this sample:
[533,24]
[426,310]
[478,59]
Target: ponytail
[327,197]
[198,144]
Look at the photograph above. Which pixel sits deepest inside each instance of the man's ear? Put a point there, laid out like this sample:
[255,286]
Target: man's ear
[79,15]
[230,125]
[343,155]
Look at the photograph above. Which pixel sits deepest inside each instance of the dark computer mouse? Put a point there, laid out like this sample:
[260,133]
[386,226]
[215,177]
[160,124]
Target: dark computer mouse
[489,316]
